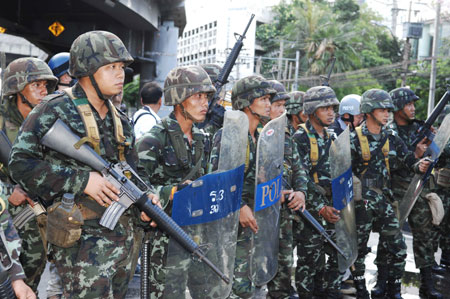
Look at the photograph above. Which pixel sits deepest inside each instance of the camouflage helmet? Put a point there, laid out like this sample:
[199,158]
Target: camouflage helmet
[443,114]
[281,91]
[375,99]
[23,71]
[94,49]
[317,97]
[185,81]
[402,96]
[249,88]
[213,71]
[295,103]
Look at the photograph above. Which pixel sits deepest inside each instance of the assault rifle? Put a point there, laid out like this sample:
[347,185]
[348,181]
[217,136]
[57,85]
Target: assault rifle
[29,211]
[132,189]
[425,129]
[216,113]
[317,226]
[326,79]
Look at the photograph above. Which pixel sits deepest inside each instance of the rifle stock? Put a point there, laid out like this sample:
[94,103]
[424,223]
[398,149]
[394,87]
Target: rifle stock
[130,192]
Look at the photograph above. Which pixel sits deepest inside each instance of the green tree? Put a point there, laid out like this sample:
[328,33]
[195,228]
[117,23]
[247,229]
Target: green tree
[131,93]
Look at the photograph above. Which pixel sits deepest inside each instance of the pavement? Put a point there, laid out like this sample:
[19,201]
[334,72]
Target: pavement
[410,283]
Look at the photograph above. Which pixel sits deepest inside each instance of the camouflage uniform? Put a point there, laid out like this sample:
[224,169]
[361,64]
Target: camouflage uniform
[12,237]
[310,245]
[375,211]
[294,105]
[444,227]
[18,74]
[157,155]
[295,178]
[99,264]
[243,93]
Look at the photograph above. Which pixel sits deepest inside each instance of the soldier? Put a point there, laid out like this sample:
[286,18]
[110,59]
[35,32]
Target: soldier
[375,153]
[294,110]
[27,81]
[93,261]
[59,64]
[173,152]
[295,179]
[10,235]
[349,114]
[425,236]
[313,143]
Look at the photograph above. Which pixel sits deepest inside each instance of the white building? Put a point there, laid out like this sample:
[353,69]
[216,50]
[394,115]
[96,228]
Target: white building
[209,33]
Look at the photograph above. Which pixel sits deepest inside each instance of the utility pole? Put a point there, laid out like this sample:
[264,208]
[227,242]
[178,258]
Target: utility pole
[434,59]
[280,60]
[297,66]
[394,12]
[406,50]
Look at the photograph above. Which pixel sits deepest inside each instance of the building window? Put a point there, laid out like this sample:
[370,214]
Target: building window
[215,23]
[214,51]
[196,31]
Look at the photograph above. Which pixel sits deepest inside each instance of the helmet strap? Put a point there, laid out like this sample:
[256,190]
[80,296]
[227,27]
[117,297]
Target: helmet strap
[262,119]
[376,119]
[97,89]
[318,120]
[350,119]
[25,101]
[408,120]
[187,115]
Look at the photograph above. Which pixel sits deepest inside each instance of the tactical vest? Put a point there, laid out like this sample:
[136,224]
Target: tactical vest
[90,125]
[177,140]
[314,150]
[365,150]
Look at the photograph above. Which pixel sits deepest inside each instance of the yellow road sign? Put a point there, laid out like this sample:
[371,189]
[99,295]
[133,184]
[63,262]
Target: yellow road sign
[2,29]
[56,28]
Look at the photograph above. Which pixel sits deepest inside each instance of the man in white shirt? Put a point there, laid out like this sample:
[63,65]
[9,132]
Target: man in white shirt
[145,118]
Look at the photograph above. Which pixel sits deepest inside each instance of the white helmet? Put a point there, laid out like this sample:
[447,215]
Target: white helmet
[350,104]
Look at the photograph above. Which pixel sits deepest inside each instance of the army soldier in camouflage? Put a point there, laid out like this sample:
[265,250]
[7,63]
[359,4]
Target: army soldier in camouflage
[425,235]
[93,261]
[295,179]
[252,96]
[376,152]
[27,81]
[213,71]
[313,142]
[16,272]
[294,110]
[174,152]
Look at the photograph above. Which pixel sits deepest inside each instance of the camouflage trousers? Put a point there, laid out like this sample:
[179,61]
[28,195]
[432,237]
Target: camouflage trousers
[444,227]
[33,255]
[376,213]
[311,250]
[101,263]
[280,285]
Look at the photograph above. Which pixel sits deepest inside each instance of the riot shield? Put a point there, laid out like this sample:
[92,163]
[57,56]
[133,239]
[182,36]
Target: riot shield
[208,210]
[419,180]
[269,172]
[342,187]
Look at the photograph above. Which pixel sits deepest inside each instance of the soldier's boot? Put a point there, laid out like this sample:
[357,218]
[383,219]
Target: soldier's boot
[438,270]
[427,289]
[360,286]
[379,291]
[445,260]
[334,294]
[394,289]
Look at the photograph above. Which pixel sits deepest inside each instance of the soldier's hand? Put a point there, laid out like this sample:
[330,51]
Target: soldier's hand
[102,191]
[18,197]
[284,193]
[22,290]
[155,201]
[421,148]
[247,219]
[330,214]
[296,201]
[424,164]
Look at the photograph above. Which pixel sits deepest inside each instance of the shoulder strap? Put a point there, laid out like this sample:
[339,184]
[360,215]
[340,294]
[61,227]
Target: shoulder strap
[365,149]
[176,137]
[313,152]
[142,114]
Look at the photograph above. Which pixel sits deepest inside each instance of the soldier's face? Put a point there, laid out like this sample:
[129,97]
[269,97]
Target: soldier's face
[34,92]
[357,119]
[303,116]
[326,115]
[197,106]
[110,78]
[382,115]
[410,111]
[277,108]
[261,105]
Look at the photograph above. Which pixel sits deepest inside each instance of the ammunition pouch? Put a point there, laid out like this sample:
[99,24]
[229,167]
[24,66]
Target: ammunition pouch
[42,225]
[64,228]
[443,177]
[357,189]
[377,183]
[436,207]
[324,190]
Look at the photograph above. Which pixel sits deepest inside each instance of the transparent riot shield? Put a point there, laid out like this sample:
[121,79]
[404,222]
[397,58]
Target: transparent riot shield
[342,187]
[208,211]
[269,171]
[419,180]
